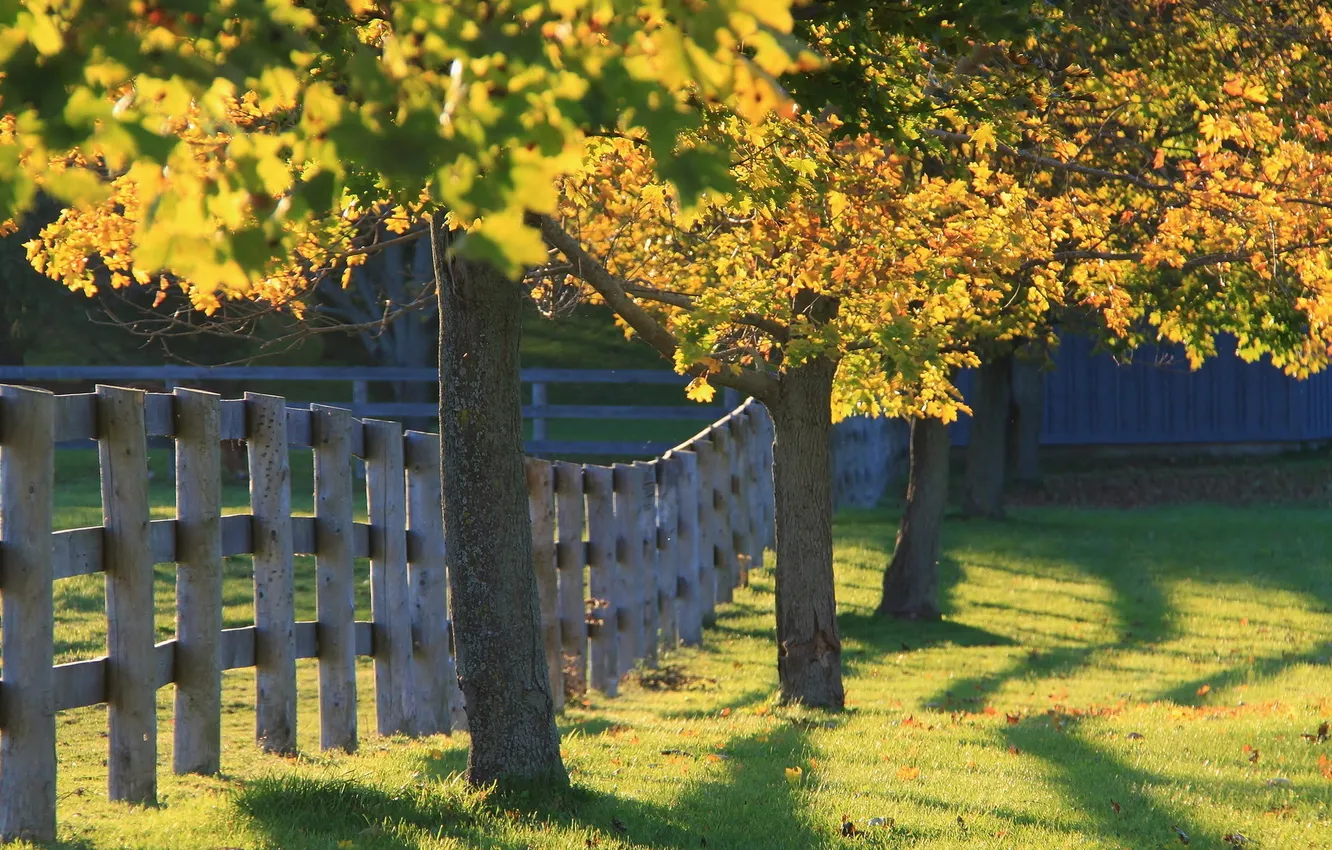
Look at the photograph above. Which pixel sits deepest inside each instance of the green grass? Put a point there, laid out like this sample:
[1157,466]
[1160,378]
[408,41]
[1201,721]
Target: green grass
[1088,660]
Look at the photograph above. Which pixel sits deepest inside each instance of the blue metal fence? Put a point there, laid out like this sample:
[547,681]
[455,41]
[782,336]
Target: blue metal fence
[1155,399]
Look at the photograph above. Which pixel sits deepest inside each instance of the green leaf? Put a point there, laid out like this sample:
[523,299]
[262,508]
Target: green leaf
[505,242]
[76,186]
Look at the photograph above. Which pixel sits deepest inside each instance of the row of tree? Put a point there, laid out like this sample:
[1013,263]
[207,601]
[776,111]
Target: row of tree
[832,208]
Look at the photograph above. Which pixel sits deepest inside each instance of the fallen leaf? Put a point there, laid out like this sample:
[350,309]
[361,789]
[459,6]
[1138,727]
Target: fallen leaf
[1325,766]
[1280,782]
[961,822]
[618,826]
[1013,750]
[725,712]
[1013,719]
[848,827]
[1114,806]
[1235,838]
[1322,732]
[1135,736]
[1204,690]
[713,757]
[794,775]
[906,774]
[1183,836]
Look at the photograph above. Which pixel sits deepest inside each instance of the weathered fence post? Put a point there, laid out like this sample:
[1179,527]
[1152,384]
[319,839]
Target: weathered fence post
[728,574]
[335,579]
[390,601]
[274,604]
[707,530]
[541,505]
[538,401]
[648,581]
[687,550]
[27,737]
[754,491]
[769,485]
[571,560]
[629,558]
[738,498]
[668,549]
[602,581]
[198,739]
[131,668]
[439,703]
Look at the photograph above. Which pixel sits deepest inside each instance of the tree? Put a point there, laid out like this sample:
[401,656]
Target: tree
[1183,138]
[788,288]
[237,151]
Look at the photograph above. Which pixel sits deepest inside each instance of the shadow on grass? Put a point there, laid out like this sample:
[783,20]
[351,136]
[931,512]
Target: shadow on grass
[723,804]
[1095,781]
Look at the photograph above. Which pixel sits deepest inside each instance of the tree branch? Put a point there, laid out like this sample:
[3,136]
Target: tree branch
[771,327]
[760,385]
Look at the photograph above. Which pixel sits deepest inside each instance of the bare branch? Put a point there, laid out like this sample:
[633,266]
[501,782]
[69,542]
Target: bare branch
[771,327]
[760,385]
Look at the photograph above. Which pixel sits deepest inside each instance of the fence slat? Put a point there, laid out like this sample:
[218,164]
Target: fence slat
[687,550]
[128,560]
[603,646]
[541,507]
[738,498]
[27,736]
[335,579]
[753,472]
[198,739]
[439,701]
[571,563]
[723,541]
[629,561]
[668,550]
[648,576]
[390,600]
[707,530]
[274,605]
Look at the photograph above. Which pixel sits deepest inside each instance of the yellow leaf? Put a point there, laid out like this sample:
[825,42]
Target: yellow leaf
[700,390]
[984,138]
[906,774]
[837,203]
[794,775]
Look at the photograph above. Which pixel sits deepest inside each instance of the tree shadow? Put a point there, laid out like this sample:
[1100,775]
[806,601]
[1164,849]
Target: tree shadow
[732,806]
[726,802]
[296,811]
[867,638]
[1111,795]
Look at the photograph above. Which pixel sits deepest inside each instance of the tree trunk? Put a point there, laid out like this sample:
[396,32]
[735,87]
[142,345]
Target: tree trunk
[809,651]
[983,490]
[1028,407]
[911,583]
[487,529]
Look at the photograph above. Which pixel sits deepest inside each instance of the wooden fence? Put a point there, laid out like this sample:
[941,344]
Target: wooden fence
[360,379]
[630,559]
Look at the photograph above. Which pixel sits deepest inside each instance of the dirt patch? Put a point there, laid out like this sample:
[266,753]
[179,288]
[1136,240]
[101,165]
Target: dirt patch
[673,677]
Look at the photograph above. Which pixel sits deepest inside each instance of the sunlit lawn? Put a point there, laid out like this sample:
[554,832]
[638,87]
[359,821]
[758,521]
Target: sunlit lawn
[1100,679]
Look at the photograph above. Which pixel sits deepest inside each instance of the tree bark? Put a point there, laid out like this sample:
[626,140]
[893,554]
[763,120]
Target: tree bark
[983,490]
[487,529]
[809,650]
[911,582]
[1028,411]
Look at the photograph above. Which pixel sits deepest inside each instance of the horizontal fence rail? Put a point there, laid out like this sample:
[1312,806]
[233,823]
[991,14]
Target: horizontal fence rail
[360,378]
[630,560]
